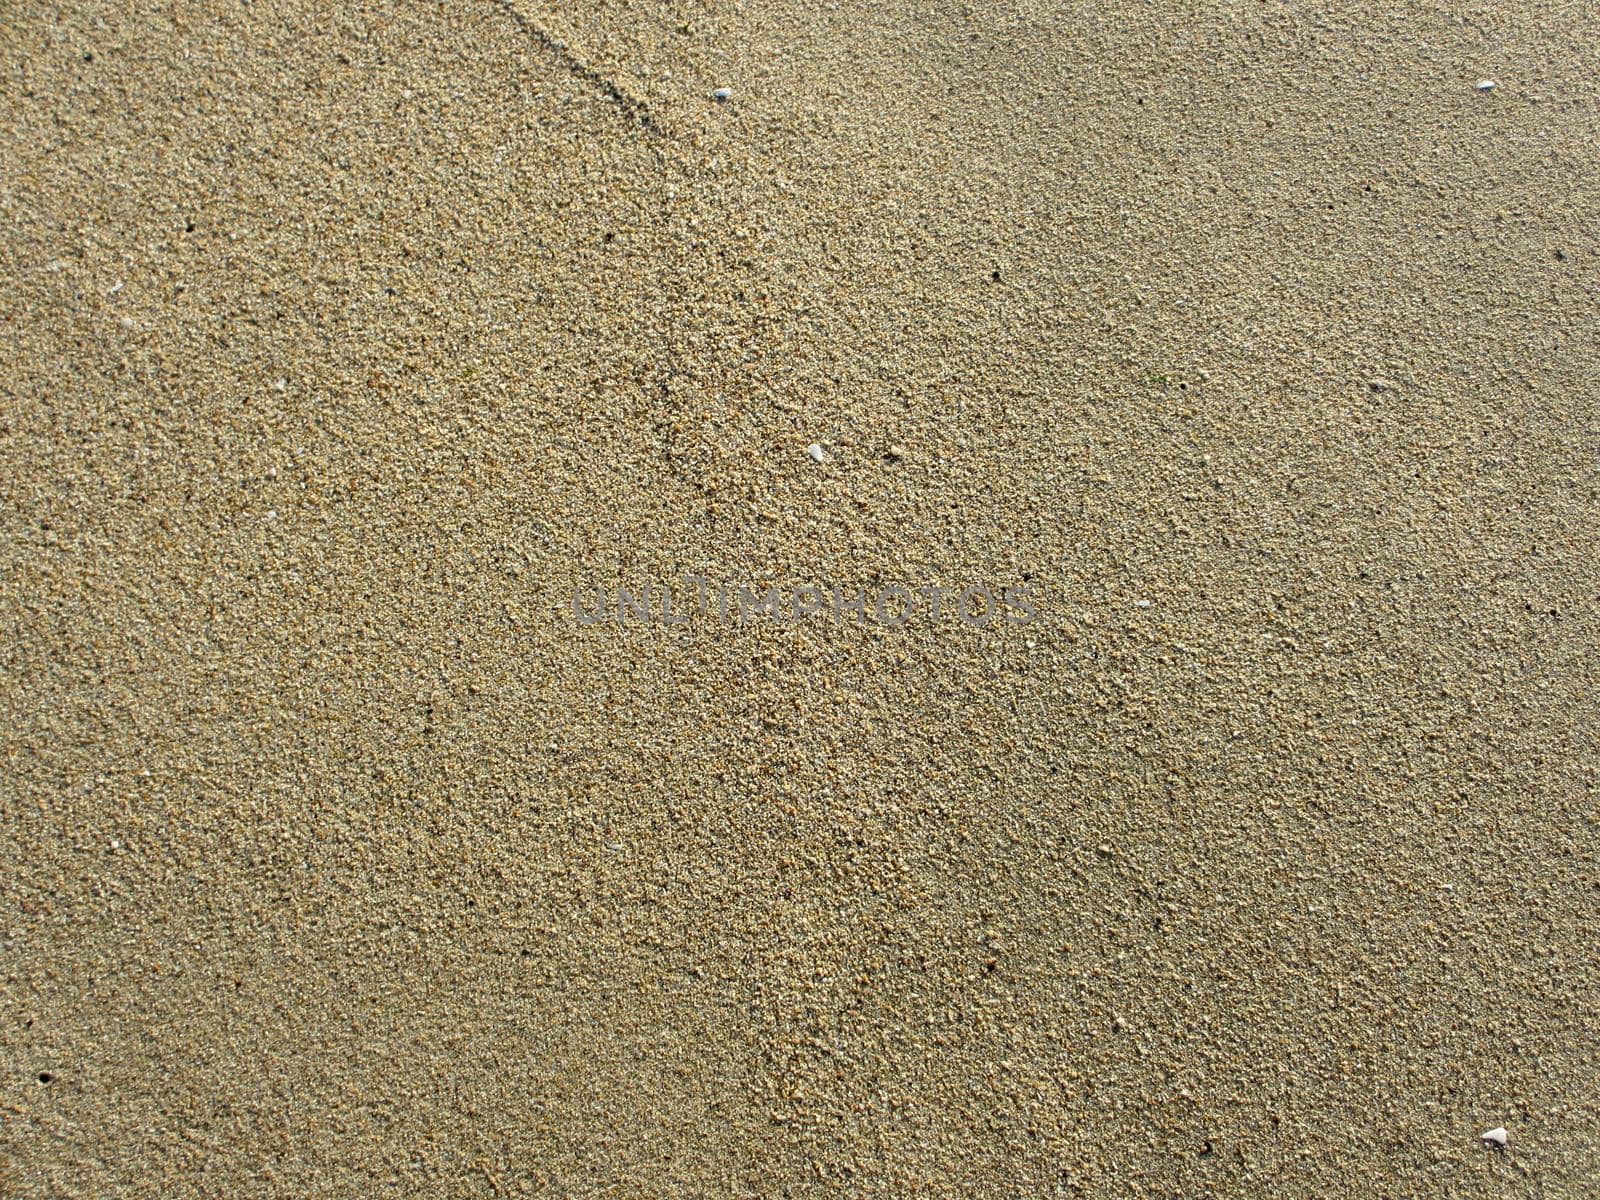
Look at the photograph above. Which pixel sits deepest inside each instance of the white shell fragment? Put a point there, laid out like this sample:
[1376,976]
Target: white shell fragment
[722,94]
[817,453]
[1485,85]
[1496,1136]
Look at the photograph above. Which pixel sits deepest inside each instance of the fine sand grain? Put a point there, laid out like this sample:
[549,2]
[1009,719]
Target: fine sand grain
[340,344]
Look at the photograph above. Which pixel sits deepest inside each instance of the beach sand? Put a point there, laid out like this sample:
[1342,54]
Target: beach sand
[341,349]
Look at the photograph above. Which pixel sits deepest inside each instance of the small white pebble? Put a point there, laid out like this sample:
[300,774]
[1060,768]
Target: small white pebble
[1142,603]
[1496,1136]
[272,514]
[281,386]
[722,94]
[1485,85]
[817,453]
[115,288]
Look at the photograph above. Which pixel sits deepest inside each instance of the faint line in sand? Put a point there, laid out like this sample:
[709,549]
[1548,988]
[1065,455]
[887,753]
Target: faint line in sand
[575,65]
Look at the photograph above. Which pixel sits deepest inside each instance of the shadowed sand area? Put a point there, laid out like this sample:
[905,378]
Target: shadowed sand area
[339,348]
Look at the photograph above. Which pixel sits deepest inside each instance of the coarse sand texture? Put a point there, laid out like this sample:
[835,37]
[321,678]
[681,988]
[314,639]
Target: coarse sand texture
[790,598]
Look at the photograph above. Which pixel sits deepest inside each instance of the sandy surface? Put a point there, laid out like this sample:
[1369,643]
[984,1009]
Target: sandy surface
[337,350]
